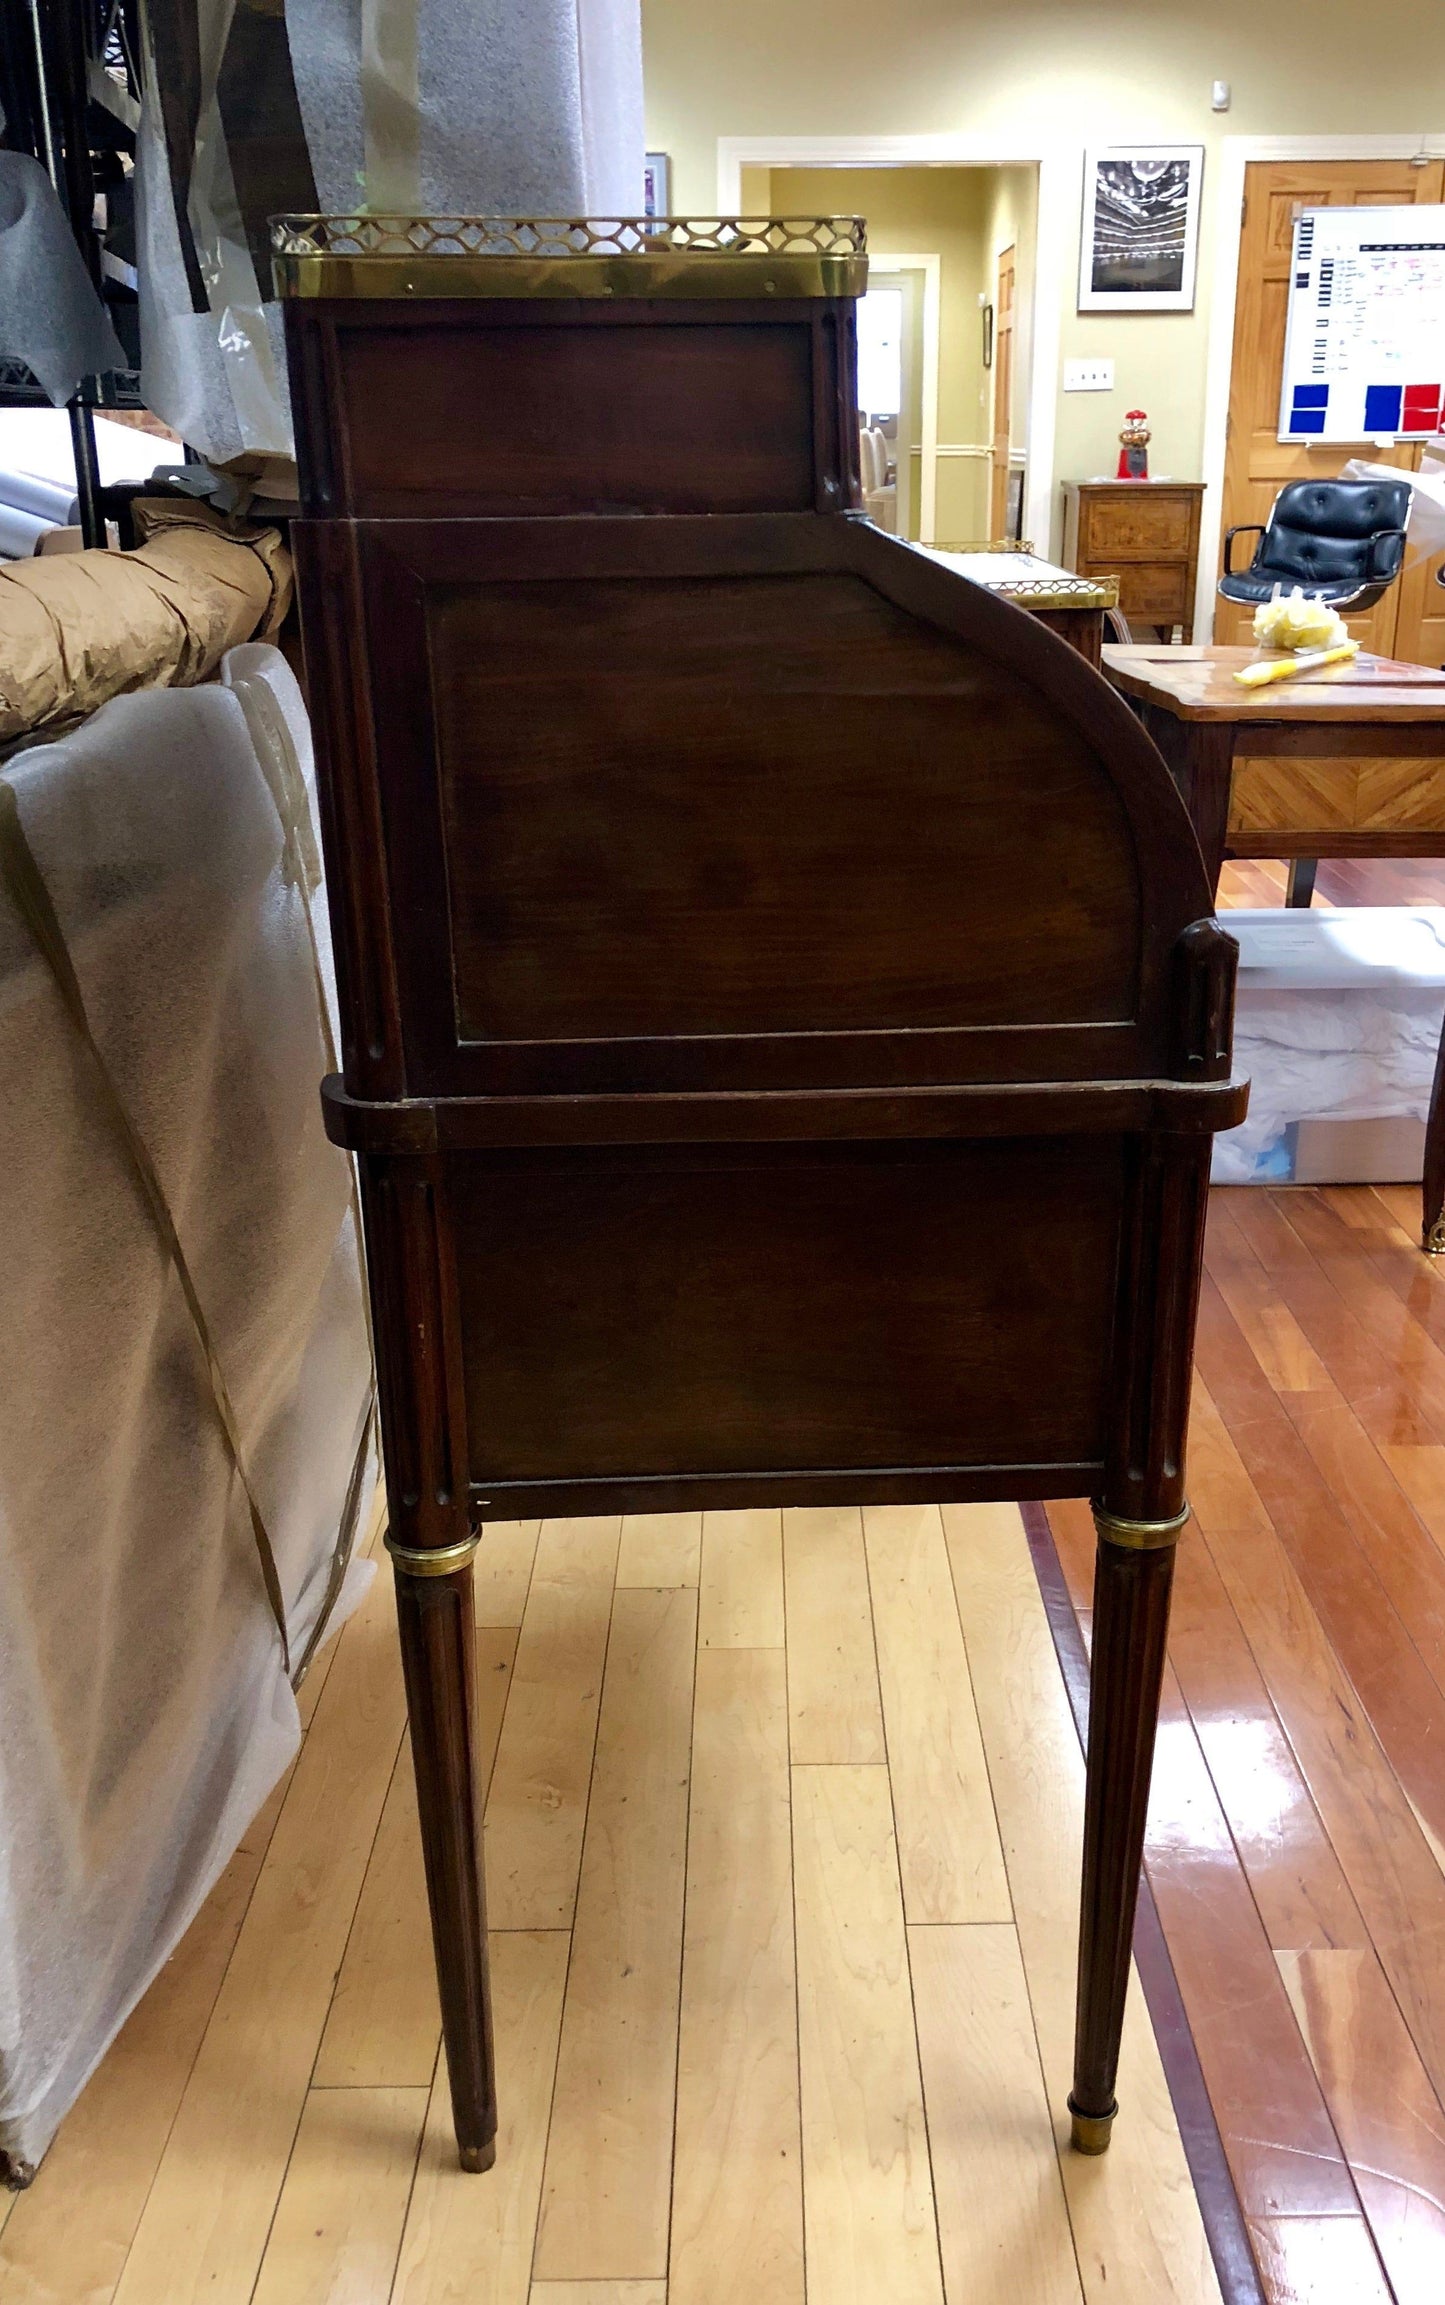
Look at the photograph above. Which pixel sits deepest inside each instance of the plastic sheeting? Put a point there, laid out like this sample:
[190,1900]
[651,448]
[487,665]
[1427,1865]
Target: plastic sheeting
[50,315]
[1337,1017]
[472,107]
[1425,529]
[145,1709]
[449,107]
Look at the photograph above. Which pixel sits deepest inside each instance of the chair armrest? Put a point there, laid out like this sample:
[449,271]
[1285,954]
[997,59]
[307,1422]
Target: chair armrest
[1387,553]
[1249,528]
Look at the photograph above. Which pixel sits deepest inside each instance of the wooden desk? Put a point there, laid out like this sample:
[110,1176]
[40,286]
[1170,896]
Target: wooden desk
[1145,532]
[1349,761]
[783,1024]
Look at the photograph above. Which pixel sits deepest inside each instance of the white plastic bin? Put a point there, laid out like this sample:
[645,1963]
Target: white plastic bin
[1337,1024]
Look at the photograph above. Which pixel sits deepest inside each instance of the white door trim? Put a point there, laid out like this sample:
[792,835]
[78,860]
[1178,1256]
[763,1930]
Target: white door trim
[1056,246]
[932,269]
[1235,154]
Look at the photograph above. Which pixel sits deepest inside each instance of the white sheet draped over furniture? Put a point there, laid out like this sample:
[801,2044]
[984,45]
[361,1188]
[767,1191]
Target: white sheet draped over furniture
[145,1710]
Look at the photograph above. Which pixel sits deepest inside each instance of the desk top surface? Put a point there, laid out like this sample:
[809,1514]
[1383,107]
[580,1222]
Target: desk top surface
[1196,683]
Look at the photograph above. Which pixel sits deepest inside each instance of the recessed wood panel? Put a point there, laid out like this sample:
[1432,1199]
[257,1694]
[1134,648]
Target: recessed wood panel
[813,813]
[701,416]
[1154,591]
[627,1315]
[1140,527]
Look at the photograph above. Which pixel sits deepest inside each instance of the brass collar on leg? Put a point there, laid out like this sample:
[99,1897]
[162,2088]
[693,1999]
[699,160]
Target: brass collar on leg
[1090,2132]
[432,1560]
[1139,1536]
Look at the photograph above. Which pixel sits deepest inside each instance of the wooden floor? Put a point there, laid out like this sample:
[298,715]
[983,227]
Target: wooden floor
[1297,1850]
[1297,1843]
[782,1851]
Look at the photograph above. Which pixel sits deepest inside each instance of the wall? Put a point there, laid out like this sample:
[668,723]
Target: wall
[1049,74]
[921,212]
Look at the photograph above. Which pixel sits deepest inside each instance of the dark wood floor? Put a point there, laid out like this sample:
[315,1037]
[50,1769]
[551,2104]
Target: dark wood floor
[1297,1845]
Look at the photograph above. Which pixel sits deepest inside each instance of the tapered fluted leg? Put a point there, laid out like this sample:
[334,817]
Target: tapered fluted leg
[1132,1581]
[438,1650]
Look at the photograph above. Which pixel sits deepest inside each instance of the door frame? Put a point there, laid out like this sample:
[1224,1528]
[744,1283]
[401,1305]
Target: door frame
[1235,155]
[1056,241]
[999,527]
[931,268]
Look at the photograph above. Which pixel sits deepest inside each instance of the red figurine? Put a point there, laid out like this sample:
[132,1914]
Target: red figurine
[1134,446]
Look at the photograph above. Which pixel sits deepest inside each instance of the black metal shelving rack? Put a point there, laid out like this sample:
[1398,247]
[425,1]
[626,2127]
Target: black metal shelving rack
[70,86]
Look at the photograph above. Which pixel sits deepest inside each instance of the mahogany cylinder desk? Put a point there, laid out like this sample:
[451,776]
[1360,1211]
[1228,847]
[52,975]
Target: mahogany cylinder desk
[784,1021]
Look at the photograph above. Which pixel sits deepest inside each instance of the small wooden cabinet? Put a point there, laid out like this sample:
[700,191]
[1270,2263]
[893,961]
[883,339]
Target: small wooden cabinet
[1145,532]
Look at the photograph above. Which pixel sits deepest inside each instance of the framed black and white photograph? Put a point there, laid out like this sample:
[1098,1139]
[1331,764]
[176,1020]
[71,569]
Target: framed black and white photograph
[1140,238]
[656,184]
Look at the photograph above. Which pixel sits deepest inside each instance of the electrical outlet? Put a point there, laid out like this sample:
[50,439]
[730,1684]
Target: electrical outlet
[1088,376]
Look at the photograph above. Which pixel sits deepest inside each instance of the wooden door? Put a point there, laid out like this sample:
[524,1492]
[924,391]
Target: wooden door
[1003,376]
[1257,461]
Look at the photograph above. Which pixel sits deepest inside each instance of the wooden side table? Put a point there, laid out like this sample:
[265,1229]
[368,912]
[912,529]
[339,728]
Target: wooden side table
[1145,532]
[1072,606]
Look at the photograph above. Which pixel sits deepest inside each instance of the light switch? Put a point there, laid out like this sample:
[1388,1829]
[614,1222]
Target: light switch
[1088,376]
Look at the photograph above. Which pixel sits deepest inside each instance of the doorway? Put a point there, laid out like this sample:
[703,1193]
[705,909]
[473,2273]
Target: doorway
[1409,621]
[898,354]
[882,388]
[934,234]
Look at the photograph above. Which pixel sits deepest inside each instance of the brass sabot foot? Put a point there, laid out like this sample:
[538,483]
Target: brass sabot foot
[476,2158]
[1090,2132]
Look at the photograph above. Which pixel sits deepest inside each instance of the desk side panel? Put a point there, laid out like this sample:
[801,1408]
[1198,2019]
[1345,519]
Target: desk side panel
[642,1314]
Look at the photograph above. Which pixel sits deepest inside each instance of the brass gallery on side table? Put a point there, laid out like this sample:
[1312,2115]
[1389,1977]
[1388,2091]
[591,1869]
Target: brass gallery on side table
[784,1024]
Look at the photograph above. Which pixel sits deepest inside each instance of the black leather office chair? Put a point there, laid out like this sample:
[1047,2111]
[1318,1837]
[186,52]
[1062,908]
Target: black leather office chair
[1342,541]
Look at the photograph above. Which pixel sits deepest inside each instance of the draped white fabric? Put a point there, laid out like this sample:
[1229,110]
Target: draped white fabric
[144,1708]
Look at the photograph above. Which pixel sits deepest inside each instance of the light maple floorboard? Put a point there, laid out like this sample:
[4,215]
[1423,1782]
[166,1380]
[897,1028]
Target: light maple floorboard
[948,1845]
[996,2182]
[502,1571]
[737,2198]
[609,2153]
[740,1591]
[538,1801]
[660,1549]
[870,2228]
[730,2072]
[834,1712]
[599,2293]
[339,2219]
